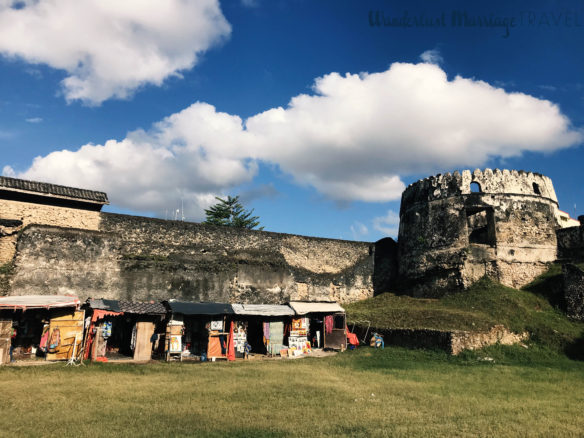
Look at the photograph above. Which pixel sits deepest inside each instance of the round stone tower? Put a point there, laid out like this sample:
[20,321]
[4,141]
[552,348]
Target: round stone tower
[456,228]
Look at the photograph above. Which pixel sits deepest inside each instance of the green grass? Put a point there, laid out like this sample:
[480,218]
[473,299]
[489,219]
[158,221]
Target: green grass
[363,393]
[482,306]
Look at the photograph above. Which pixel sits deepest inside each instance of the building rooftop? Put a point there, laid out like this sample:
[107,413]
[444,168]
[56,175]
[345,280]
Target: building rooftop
[52,190]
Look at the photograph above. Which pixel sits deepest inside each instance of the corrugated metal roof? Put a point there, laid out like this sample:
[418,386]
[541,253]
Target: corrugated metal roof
[22,185]
[101,304]
[262,309]
[304,307]
[142,308]
[128,307]
[188,308]
[38,302]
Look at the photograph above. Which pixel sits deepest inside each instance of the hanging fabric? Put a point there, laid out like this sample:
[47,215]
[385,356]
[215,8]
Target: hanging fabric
[133,341]
[328,324]
[230,346]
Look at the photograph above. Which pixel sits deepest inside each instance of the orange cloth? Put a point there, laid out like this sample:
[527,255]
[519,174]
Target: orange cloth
[214,347]
[352,337]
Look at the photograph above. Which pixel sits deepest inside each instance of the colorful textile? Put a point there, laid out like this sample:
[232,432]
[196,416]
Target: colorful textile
[231,347]
[267,330]
[44,339]
[352,337]
[328,324]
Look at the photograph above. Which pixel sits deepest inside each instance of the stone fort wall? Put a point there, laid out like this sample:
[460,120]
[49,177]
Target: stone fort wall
[136,258]
[450,235]
[15,215]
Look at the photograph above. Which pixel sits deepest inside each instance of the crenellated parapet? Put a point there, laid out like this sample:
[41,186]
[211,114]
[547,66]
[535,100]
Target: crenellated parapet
[488,181]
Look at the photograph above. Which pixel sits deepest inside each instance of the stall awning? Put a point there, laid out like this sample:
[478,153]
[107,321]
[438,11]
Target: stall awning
[262,309]
[188,308]
[38,302]
[128,307]
[303,307]
[101,304]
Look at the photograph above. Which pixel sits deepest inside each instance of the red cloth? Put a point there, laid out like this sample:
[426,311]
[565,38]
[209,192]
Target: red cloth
[328,324]
[230,346]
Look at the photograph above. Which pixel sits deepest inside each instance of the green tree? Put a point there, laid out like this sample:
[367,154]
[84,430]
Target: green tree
[229,212]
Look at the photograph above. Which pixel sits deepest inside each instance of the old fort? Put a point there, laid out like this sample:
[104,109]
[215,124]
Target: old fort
[454,229]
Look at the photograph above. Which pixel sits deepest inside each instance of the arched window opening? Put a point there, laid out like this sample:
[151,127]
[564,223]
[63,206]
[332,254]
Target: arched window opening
[536,189]
[475,187]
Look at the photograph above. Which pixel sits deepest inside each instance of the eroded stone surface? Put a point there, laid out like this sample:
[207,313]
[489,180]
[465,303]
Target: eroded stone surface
[135,259]
[574,291]
[450,237]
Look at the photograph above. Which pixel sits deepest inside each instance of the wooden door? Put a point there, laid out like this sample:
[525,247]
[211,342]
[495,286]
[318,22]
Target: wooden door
[5,341]
[70,335]
[144,332]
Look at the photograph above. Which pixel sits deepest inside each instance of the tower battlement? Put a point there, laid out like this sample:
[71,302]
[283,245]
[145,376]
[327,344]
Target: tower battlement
[487,181]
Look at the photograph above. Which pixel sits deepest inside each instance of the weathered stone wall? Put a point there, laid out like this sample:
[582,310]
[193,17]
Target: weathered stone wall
[571,243]
[574,291]
[453,342]
[135,258]
[449,237]
[15,215]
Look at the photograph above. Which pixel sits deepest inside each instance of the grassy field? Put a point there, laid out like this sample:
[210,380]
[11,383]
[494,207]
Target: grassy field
[534,309]
[498,391]
[394,392]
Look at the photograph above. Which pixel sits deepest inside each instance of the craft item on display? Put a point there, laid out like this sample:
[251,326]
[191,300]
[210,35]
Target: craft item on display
[54,340]
[175,343]
[298,323]
[107,329]
[44,338]
[217,325]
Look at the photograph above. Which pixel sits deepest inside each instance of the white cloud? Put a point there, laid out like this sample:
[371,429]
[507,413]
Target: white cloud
[353,139]
[8,171]
[359,133]
[358,230]
[388,224]
[432,57]
[110,48]
[190,156]
[34,120]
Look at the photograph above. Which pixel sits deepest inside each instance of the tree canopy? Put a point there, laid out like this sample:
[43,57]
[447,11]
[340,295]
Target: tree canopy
[229,212]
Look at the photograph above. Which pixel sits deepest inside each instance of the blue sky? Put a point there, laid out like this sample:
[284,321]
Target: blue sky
[167,105]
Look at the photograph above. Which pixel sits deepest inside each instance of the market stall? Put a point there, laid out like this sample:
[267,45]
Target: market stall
[37,327]
[261,328]
[124,329]
[199,331]
[323,322]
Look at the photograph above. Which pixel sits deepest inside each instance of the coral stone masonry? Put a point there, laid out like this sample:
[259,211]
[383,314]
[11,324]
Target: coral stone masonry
[454,229]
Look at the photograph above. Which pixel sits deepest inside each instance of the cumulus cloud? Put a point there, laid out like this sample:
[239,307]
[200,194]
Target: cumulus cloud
[388,224]
[432,57]
[110,48]
[186,159]
[357,134]
[354,138]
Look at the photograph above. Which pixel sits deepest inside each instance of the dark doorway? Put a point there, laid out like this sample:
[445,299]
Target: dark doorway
[481,226]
